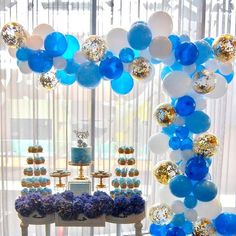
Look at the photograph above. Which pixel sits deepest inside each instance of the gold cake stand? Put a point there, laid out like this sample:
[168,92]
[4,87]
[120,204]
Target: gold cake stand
[101,175]
[60,174]
[81,170]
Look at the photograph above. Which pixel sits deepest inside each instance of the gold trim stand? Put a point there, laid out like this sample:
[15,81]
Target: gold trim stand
[101,175]
[81,170]
[60,174]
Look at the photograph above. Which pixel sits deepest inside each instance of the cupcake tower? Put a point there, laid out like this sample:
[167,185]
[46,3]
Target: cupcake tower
[35,180]
[126,182]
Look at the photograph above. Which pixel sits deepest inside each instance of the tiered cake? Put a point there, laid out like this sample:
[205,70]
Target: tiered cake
[126,181]
[35,180]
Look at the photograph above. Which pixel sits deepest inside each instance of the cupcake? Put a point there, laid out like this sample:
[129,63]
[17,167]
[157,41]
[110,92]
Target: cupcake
[118,171]
[30,160]
[32,190]
[115,183]
[123,183]
[48,181]
[43,171]
[29,183]
[124,172]
[121,150]
[43,182]
[127,150]
[137,191]
[122,160]
[129,192]
[28,171]
[39,148]
[112,194]
[36,171]
[131,161]
[136,172]
[37,160]
[131,172]
[130,183]
[24,183]
[131,150]
[136,183]
[24,191]
[30,149]
[36,184]
[42,160]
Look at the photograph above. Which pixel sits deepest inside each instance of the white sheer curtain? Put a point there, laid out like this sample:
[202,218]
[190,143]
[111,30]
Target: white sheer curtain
[29,114]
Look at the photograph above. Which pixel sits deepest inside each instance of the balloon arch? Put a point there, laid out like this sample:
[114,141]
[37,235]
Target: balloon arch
[192,72]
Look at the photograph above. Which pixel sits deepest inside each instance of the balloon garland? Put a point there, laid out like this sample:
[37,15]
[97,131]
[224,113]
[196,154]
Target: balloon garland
[192,72]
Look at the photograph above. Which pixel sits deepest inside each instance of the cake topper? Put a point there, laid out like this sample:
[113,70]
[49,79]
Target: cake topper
[81,136]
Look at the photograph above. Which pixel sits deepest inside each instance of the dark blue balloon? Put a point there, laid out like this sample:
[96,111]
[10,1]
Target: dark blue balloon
[186,53]
[198,122]
[225,224]
[175,143]
[123,85]
[182,132]
[72,46]
[139,36]
[89,75]
[158,230]
[55,44]
[205,191]
[71,67]
[126,55]
[190,201]
[185,106]
[178,220]
[175,231]
[180,186]
[205,51]
[64,78]
[111,67]
[175,40]
[39,61]
[165,71]
[196,168]
[23,54]
[186,144]
[108,54]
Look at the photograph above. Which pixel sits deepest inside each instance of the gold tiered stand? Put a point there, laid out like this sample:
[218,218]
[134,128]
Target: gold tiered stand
[81,170]
[60,174]
[101,175]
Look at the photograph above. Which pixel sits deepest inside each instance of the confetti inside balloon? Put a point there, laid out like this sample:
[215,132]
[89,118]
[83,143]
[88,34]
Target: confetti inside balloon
[48,80]
[94,48]
[224,47]
[165,114]
[13,34]
[206,145]
[140,68]
[203,227]
[164,171]
[204,82]
[161,214]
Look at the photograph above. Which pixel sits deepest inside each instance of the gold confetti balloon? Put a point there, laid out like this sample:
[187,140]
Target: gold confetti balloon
[206,145]
[13,34]
[94,48]
[140,68]
[204,227]
[161,214]
[165,114]
[224,47]
[48,80]
[204,82]
[164,171]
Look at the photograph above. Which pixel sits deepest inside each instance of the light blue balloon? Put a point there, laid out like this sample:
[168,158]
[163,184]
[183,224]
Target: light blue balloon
[71,67]
[72,46]
[126,55]
[165,71]
[209,40]
[64,78]
[198,122]
[175,40]
[190,201]
[23,54]
[184,38]
[205,51]
[88,75]
[123,85]
[139,36]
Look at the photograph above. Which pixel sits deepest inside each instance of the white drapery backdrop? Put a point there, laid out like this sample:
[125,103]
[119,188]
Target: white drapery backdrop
[29,114]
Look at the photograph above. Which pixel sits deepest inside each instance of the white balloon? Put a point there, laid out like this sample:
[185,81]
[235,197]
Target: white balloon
[24,67]
[79,57]
[225,68]
[177,84]
[220,88]
[187,154]
[146,54]
[43,30]
[189,69]
[12,51]
[177,207]
[59,63]
[117,39]
[176,156]
[209,209]
[211,65]
[160,23]
[191,215]
[166,196]
[160,47]
[200,103]
[169,61]
[158,143]
[34,42]
[179,121]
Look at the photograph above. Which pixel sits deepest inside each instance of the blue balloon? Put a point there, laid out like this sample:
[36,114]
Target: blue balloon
[178,219]
[139,36]
[155,61]
[165,71]
[175,40]
[228,77]
[196,168]
[182,132]
[169,130]
[198,122]
[39,61]
[205,191]
[55,44]
[71,67]
[72,46]
[190,201]
[175,143]
[64,78]
[188,227]
[180,186]
[126,55]
[108,54]
[175,231]
[186,53]
[205,51]
[23,54]
[225,224]
[158,230]
[89,75]
[185,106]
[111,67]
[177,66]
[186,144]
[123,85]
[209,40]
[184,38]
